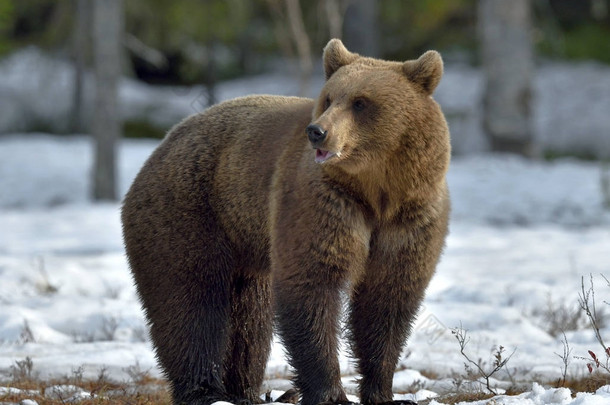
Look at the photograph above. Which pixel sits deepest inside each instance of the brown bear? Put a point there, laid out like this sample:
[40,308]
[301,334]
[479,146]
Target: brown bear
[271,208]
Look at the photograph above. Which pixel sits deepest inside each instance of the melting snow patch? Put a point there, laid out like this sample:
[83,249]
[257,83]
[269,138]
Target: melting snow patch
[66,393]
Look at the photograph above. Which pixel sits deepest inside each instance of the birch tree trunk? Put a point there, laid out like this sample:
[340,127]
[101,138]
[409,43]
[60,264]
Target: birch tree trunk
[507,57]
[107,37]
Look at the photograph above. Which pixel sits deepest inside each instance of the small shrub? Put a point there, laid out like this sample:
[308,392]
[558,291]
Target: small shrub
[597,322]
[558,317]
[23,370]
[77,376]
[137,375]
[481,370]
[565,359]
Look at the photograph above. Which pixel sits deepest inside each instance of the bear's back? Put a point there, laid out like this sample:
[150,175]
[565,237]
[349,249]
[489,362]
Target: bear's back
[220,163]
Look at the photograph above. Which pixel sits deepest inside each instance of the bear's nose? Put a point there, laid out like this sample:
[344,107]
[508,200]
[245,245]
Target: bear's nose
[316,134]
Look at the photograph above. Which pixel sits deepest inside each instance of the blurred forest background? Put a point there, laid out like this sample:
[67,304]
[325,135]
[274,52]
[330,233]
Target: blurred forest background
[133,68]
[171,42]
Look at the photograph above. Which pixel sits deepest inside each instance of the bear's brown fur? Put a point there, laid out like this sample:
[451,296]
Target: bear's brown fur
[231,221]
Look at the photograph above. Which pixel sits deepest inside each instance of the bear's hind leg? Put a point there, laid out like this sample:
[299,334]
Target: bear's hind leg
[192,336]
[251,332]
[183,271]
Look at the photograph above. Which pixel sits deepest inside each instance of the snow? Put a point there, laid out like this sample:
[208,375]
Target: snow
[543,396]
[523,235]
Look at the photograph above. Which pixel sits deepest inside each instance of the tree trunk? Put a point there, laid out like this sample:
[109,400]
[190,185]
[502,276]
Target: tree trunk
[282,33]
[80,44]
[107,38]
[507,57]
[334,10]
[210,73]
[361,29]
[301,40]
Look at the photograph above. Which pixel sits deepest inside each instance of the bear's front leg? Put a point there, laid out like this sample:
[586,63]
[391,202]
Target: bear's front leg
[308,314]
[386,301]
[314,257]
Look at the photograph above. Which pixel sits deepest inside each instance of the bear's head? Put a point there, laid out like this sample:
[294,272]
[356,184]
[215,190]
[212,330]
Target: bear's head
[372,110]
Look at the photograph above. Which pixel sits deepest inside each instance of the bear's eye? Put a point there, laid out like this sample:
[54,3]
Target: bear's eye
[326,103]
[359,104]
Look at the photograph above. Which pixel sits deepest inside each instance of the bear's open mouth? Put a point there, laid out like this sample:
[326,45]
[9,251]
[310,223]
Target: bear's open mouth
[323,155]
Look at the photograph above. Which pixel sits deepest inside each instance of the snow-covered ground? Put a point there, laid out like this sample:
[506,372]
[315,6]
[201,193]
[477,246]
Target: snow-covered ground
[523,234]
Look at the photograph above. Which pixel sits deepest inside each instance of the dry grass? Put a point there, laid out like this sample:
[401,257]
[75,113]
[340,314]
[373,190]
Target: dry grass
[147,391]
[151,391]
[589,383]
[451,399]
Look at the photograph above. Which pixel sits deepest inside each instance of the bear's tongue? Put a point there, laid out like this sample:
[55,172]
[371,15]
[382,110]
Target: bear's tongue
[322,155]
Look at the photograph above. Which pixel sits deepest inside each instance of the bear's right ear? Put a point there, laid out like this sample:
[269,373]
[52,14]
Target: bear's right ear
[335,56]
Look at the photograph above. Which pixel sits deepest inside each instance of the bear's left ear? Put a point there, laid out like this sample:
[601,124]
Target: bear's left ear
[335,56]
[425,71]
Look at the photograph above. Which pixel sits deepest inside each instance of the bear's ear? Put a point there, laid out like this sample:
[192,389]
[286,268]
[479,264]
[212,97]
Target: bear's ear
[335,56]
[425,71]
